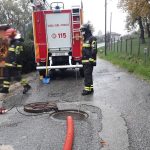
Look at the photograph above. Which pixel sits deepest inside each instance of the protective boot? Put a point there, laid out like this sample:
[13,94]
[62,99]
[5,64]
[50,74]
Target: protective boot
[4,90]
[27,87]
[86,92]
[92,91]
[18,76]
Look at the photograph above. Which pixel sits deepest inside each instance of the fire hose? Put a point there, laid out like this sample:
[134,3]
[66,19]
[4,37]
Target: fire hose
[70,134]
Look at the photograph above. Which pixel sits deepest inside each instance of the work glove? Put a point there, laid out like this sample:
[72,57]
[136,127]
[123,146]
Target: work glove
[92,61]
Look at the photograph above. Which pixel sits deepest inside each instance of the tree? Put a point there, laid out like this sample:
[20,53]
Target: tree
[16,13]
[137,11]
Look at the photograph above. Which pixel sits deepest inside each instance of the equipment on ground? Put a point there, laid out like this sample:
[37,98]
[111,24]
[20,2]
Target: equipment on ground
[57,37]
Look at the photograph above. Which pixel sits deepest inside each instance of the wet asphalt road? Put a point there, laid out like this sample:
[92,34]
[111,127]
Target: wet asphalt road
[119,113]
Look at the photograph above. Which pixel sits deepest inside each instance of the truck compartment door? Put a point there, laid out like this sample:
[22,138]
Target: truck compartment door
[58,29]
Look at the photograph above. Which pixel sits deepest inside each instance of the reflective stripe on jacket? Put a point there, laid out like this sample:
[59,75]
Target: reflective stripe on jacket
[85,45]
[90,60]
[89,50]
[87,88]
[18,49]
[14,54]
[11,49]
[9,65]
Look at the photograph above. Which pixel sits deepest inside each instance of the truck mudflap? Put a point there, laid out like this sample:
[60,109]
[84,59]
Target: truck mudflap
[59,67]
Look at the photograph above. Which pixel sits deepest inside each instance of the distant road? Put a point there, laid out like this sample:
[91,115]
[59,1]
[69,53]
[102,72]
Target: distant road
[100,45]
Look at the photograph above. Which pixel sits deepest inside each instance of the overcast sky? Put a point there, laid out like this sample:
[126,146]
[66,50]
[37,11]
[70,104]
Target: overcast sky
[94,11]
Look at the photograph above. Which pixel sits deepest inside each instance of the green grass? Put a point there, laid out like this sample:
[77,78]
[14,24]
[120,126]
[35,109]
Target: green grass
[132,63]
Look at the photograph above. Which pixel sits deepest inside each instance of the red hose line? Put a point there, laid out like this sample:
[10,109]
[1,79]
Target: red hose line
[70,134]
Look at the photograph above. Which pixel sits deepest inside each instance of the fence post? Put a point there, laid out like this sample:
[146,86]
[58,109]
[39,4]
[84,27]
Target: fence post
[145,55]
[139,48]
[148,47]
[126,45]
[121,45]
[131,46]
[114,44]
[117,45]
[111,44]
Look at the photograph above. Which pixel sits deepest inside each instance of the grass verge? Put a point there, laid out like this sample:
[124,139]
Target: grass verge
[133,64]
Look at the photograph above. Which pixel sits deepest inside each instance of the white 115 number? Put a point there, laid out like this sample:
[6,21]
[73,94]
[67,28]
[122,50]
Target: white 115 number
[62,35]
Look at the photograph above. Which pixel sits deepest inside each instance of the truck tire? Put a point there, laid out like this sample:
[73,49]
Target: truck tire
[52,73]
[63,70]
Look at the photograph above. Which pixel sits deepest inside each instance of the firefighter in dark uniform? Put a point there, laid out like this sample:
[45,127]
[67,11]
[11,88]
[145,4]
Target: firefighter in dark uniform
[13,60]
[89,52]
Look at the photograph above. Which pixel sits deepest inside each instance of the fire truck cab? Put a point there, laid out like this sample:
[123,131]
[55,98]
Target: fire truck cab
[57,37]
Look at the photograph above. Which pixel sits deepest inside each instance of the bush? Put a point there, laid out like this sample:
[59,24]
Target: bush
[28,57]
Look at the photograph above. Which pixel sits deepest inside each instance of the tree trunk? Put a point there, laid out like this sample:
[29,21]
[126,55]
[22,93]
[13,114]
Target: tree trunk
[142,29]
[24,31]
[148,30]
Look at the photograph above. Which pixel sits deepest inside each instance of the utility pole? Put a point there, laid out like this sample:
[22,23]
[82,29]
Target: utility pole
[110,30]
[105,26]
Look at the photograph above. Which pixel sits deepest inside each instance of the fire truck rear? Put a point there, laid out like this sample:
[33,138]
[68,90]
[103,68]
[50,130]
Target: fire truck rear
[57,38]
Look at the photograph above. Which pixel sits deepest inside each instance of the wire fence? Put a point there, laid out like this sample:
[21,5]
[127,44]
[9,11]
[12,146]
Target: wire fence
[131,46]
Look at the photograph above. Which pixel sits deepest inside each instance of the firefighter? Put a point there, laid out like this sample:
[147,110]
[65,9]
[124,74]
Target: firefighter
[13,60]
[89,52]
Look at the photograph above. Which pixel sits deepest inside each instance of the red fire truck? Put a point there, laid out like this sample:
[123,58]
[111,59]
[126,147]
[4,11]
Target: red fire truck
[57,38]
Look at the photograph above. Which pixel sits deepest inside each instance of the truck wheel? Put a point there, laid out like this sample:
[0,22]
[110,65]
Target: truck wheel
[81,72]
[52,74]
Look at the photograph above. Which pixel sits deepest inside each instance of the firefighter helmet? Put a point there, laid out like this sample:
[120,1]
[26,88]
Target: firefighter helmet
[85,26]
[11,33]
[4,26]
[86,29]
